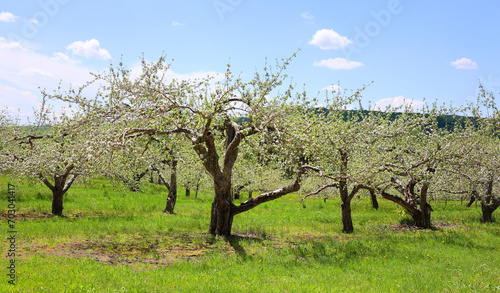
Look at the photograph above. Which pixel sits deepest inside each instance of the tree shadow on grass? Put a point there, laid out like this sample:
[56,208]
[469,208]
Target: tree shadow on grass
[235,239]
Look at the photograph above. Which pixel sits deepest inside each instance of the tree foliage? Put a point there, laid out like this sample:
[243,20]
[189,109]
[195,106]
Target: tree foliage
[204,112]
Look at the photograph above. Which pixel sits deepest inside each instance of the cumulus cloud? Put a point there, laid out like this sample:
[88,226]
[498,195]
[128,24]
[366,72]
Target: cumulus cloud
[176,23]
[399,102]
[338,63]
[24,71]
[89,49]
[61,57]
[7,17]
[464,63]
[6,45]
[328,39]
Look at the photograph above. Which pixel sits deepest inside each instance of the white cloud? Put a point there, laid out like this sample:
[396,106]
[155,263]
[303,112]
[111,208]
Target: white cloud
[7,17]
[176,23]
[338,63]
[464,63]
[332,88]
[307,15]
[24,71]
[18,102]
[89,49]
[10,46]
[35,71]
[61,57]
[327,39]
[33,21]
[399,102]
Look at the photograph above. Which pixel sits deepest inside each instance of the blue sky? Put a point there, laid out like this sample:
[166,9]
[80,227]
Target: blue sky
[411,50]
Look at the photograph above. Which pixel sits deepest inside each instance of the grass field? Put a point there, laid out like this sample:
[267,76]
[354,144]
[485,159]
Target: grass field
[114,240]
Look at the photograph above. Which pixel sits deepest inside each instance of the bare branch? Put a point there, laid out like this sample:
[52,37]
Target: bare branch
[162,177]
[265,197]
[68,184]
[46,182]
[320,189]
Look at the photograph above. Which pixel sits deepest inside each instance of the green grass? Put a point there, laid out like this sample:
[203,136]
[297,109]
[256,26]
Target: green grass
[114,240]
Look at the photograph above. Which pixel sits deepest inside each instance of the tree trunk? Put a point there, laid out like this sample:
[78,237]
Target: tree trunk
[236,194]
[488,209]
[471,201]
[421,213]
[487,215]
[57,202]
[188,191]
[222,206]
[345,205]
[346,216]
[135,184]
[221,215]
[488,203]
[172,193]
[61,185]
[250,194]
[222,219]
[373,198]
[422,218]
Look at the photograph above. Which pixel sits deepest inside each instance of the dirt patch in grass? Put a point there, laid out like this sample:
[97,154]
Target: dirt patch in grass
[20,216]
[160,251]
[30,215]
[435,226]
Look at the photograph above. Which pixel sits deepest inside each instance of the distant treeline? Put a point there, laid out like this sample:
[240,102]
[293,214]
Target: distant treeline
[448,122]
[444,121]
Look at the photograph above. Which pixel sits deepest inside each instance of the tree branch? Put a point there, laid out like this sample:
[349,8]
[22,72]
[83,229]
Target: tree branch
[68,184]
[162,177]
[321,188]
[399,201]
[140,131]
[265,197]
[46,182]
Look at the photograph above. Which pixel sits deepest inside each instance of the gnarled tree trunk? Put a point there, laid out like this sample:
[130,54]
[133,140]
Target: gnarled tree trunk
[489,203]
[221,214]
[222,207]
[422,217]
[487,213]
[61,185]
[424,220]
[420,211]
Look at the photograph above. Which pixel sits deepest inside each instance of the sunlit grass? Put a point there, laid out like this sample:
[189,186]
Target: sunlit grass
[281,246]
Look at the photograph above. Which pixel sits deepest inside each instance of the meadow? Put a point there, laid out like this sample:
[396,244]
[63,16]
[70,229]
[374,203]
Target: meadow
[115,240]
